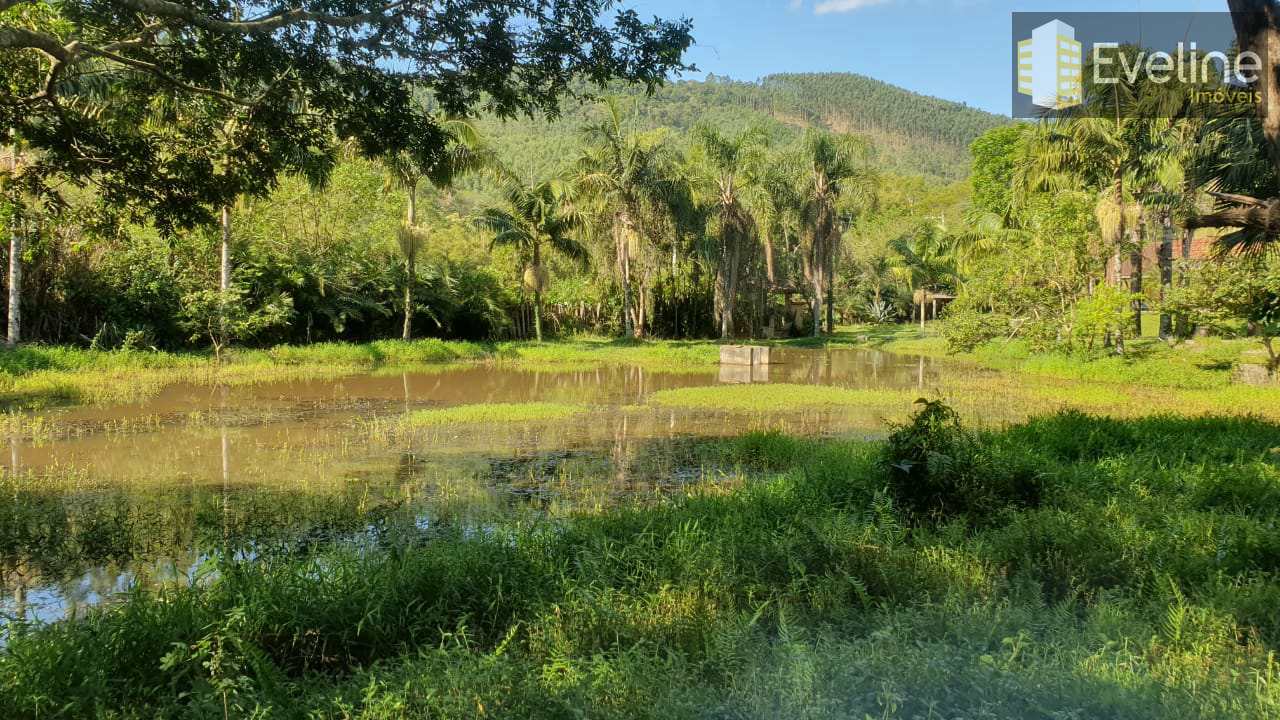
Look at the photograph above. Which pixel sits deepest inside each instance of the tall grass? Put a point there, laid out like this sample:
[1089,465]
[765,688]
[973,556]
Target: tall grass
[1141,582]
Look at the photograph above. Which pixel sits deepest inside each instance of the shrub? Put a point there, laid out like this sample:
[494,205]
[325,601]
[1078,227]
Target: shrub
[967,329]
[938,469]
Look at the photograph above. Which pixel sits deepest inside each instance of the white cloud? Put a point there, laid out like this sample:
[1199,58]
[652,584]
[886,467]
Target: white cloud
[827,7]
[796,5]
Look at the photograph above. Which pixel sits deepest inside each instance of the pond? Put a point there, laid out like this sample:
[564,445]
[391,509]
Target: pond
[100,499]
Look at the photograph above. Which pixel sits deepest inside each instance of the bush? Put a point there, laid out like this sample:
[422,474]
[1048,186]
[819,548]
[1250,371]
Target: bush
[967,329]
[939,470]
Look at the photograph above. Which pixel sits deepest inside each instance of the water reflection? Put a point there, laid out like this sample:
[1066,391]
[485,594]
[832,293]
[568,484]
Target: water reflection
[144,493]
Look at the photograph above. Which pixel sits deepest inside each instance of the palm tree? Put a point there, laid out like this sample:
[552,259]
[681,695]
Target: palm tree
[462,153]
[1106,155]
[537,217]
[828,163]
[877,274]
[923,263]
[632,182]
[726,169]
[13,162]
[776,206]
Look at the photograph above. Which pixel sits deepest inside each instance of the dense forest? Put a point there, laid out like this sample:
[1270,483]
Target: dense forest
[692,209]
[908,133]
[315,261]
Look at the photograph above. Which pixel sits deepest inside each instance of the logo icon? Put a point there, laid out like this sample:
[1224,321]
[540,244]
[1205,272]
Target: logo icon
[1050,68]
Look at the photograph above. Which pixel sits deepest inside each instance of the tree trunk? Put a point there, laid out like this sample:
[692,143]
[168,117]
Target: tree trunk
[410,260]
[1257,25]
[831,298]
[15,285]
[537,315]
[817,312]
[621,228]
[813,273]
[1188,237]
[1166,273]
[537,291]
[410,270]
[727,272]
[1135,280]
[726,322]
[768,260]
[224,268]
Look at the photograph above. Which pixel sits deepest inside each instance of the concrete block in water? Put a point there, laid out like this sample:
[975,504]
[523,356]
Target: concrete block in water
[735,355]
[744,355]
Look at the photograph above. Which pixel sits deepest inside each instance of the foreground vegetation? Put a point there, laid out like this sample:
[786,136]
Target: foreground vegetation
[1069,566]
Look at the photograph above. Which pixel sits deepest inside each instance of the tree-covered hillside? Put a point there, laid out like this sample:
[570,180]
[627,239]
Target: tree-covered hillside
[911,134]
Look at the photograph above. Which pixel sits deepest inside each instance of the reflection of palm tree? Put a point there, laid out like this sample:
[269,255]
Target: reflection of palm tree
[226,473]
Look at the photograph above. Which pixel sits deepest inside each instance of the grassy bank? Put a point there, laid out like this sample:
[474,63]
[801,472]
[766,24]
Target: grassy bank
[1200,364]
[1071,566]
[32,377]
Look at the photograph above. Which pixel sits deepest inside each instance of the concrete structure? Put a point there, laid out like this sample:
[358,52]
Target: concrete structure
[1050,67]
[748,355]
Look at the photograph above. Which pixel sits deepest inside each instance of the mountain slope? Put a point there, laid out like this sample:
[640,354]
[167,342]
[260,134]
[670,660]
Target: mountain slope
[910,134]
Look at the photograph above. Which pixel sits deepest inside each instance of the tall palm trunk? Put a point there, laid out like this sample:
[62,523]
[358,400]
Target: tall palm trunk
[224,266]
[768,260]
[15,285]
[727,274]
[621,230]
[1188,238]
[1166,272]
[537,315]
[1135,278]
[410,261]
[224,278]
[813,273]
[15,265]
[537,291]
[831,290]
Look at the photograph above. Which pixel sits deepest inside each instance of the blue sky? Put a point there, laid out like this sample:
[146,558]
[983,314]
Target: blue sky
[955,49]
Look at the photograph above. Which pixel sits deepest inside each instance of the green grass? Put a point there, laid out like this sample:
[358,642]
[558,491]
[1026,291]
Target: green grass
[37,376]
[1200,364]
[492,414]
[1139,581]
[778,396]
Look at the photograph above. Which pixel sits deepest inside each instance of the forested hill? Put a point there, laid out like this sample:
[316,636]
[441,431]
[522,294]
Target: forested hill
[911,133]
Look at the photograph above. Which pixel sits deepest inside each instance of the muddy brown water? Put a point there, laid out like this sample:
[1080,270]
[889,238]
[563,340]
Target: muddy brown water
[105,498]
